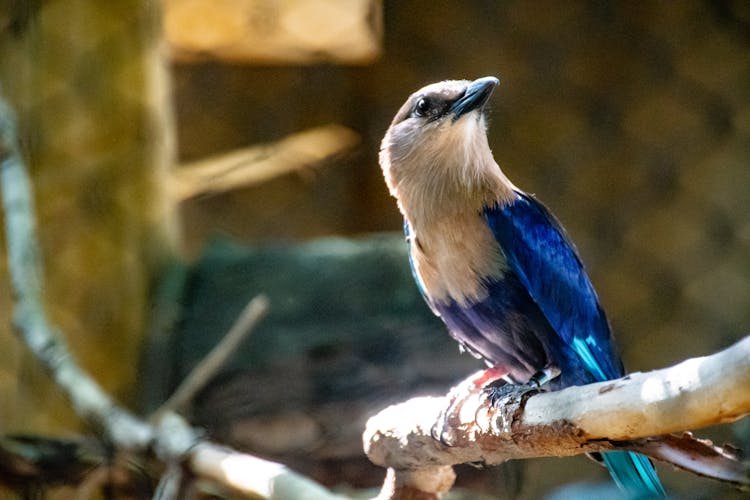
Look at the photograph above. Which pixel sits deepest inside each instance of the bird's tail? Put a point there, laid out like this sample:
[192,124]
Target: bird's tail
[634,474]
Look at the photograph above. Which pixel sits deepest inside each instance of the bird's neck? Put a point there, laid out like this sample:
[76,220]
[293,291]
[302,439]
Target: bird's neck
[434,193]
[447,172]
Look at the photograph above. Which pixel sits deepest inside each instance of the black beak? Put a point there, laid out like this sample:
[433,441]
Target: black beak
[477,93]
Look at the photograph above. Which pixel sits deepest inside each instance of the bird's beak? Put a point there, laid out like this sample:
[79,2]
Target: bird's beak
[477,93]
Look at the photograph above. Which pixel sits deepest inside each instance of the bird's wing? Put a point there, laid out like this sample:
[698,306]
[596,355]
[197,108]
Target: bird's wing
[538,250]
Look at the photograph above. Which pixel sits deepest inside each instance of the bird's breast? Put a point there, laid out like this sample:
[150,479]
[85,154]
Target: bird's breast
[456,257]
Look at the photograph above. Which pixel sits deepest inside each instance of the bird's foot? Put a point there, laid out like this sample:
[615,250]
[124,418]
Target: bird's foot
[500,389]
[444,429]
[498,392]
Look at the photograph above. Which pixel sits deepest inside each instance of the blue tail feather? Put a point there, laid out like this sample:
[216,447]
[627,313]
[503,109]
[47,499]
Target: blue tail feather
[634,474]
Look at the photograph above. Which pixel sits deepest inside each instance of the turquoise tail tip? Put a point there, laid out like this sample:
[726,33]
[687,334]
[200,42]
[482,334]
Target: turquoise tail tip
[634,474]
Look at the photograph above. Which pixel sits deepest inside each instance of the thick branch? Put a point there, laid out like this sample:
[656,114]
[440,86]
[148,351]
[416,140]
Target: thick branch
[617,414]
[690,395]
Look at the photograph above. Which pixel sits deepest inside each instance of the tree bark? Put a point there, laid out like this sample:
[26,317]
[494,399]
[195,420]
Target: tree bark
[619,414]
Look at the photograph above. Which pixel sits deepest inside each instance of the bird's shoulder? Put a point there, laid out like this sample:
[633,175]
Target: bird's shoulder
[527,226]
[540,252]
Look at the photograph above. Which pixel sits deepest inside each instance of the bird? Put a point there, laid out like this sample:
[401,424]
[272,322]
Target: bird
[493,262]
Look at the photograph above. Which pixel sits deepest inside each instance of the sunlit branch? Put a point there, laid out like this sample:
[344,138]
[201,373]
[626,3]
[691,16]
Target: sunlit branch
[619,414]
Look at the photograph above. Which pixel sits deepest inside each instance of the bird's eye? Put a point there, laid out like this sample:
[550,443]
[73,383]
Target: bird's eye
[422,108]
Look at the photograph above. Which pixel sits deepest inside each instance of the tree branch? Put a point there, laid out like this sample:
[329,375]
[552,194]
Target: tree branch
[30,320]
[259,163]
[169,437]
[253,476]
[209,366]
[618,414]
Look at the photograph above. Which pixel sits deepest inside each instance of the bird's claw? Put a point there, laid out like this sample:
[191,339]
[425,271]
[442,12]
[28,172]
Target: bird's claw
[500,390]
[449,419]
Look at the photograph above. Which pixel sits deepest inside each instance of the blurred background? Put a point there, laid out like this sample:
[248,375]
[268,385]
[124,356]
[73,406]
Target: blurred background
[190,154]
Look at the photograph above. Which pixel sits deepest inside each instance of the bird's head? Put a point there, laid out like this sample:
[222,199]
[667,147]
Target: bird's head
[436,146]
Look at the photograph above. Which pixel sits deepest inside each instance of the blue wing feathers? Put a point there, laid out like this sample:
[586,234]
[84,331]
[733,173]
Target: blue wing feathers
[540,253]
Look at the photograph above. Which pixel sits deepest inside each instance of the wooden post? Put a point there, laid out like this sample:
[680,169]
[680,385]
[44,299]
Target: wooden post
[89,85]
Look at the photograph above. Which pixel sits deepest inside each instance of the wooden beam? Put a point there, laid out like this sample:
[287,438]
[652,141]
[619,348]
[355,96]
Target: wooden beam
[285,32]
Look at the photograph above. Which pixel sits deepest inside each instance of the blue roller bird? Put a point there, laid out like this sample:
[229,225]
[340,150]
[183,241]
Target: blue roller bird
[492,261]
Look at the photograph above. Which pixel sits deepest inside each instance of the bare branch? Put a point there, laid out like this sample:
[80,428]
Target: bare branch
[30,320]
[209,366]
[619,414]
[170,438]
[690,395]
[253,476]
[256,164]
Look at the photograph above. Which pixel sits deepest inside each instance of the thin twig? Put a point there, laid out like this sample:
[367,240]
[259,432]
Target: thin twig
[93,483]
[169,484]
[210,365]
